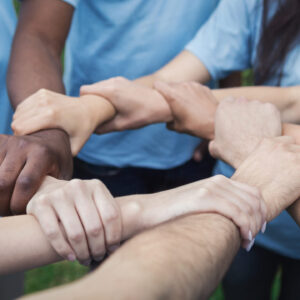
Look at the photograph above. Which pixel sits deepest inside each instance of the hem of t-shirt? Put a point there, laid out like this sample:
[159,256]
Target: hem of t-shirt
[138,163]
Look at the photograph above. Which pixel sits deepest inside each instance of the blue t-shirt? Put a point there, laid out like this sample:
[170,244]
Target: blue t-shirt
[131,38]
[7,29]
[231,37]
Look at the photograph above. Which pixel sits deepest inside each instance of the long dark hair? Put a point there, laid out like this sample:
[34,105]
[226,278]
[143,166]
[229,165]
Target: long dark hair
[279,35]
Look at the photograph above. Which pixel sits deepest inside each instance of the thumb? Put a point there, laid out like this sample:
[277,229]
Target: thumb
[166,90]
[102,88]
[213,149]
[88,89]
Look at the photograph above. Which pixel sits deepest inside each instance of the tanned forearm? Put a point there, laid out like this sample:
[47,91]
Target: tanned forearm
[184,259]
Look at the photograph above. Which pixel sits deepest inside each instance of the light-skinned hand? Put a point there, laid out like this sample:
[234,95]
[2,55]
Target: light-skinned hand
[193,107]
[136,105]
[240,125]
[79,217]
[79,117]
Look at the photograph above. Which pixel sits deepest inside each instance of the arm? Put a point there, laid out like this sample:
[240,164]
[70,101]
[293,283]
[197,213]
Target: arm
[194,252]
[184,259]
[286,99]
[137,213]
[34,64]
[184,67]
[78,116]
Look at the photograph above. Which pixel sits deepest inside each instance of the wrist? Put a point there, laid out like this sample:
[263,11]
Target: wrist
[131,210]
[97,110]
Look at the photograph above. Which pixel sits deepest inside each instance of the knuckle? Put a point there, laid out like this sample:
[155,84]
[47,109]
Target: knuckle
[111,216]
[43,150]
[96,183]
[61,250]
[219,179]
[51,113]
[17,208]
[270,107]
[204,192]
[76,183]
[25,182]
[51,233]
[4,184]
[76,237]
[95,231]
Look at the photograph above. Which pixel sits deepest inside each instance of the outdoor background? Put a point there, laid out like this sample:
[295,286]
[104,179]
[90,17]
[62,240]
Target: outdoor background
[64,272]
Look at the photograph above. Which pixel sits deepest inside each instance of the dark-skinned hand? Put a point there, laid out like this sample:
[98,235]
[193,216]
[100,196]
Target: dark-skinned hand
[25,161]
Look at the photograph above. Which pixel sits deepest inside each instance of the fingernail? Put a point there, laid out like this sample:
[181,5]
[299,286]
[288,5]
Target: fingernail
[71,257]
[264,227]
[99,258]
[250,236]
[250,245]
[86,262]
[113,248]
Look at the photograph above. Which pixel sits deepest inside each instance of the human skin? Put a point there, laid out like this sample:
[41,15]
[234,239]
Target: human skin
[34,65]
[78,116]
[194,252]
[234,141]
[238,202]
[25,161]
[82,220]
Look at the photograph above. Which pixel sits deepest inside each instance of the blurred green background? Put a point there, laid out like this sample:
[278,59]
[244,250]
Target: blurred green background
[64,272]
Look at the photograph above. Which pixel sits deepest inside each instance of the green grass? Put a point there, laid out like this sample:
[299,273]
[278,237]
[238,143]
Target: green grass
[64,272]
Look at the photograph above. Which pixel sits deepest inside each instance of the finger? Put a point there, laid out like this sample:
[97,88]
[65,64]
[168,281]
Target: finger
[91,222]
[249,204]
[213,149]
[258,197]
[10,169]
[103,88]
[236,202]
[166,90]
[28,181]
[285,139]
[50,226]
[74,230]
[110,216]
[33,124]
[233,212]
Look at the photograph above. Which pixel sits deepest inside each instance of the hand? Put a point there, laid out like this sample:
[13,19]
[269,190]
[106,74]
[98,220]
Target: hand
[239,127]
[136,105]
[240,203]
[80,218]
[193,107]
[25,161]
[272,167]
[79,117]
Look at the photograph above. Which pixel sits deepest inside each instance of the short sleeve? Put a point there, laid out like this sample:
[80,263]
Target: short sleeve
[72,2]
[223,44]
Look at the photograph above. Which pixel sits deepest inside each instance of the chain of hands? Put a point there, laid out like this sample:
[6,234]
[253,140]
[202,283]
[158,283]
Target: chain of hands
[83,221]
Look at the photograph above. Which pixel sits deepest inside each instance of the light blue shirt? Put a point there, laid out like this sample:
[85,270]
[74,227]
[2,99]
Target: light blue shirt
[231,37]
[7,29]
[131,38]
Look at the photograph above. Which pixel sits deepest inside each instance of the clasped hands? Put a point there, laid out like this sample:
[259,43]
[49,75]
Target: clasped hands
[240,127]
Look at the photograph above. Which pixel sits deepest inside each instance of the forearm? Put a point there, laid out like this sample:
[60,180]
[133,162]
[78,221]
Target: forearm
[24,245]
[294,131]
[193,252]
[33,66]
[286,99]
[27,247]
[184,67]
